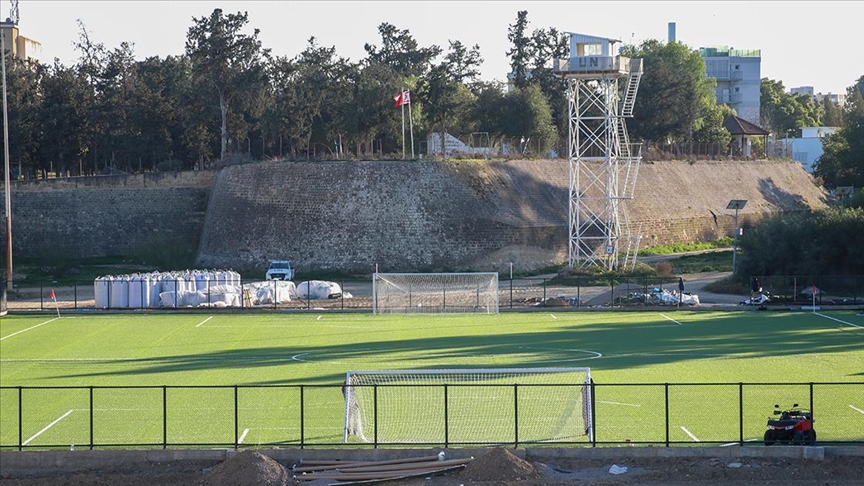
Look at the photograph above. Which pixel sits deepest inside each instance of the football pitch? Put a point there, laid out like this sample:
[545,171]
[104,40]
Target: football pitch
[225,378]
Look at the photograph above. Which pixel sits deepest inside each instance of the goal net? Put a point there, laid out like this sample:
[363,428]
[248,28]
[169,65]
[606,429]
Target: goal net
[469,406]
[435,293]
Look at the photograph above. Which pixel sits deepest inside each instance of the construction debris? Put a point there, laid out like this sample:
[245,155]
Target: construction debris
[357,472]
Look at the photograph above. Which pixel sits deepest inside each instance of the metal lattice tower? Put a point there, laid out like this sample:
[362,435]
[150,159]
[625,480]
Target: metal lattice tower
[603,162]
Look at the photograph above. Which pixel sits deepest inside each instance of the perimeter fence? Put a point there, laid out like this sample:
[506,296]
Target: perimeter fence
[519,293]
[105,417]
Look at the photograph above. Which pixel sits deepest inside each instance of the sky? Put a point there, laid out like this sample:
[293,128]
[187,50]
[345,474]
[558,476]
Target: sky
[803,43]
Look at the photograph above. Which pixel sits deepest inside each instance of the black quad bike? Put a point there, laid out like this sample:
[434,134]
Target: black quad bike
[794,426]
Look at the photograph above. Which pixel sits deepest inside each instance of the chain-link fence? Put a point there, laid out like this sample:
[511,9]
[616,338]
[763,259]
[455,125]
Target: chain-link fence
[517,293]
[806,290]
[314,415]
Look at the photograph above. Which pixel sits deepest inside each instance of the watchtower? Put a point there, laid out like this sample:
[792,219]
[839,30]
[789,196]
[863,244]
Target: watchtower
[603,162]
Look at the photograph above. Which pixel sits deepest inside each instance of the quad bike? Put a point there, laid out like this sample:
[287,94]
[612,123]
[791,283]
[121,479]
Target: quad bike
[795,426]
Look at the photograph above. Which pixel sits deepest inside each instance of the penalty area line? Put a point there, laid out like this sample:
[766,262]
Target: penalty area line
[242,436]
[690,434]
[37,434]
[29,328]
[673,320]
[856,409]
[839,320]
[205,320]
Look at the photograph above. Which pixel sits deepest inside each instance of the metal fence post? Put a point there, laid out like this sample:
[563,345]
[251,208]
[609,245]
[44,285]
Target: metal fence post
[91,417]
[511,292]
[75,287]
[375,413]
[164,417]
[741,414]
[446,419]
[544,292]
[666,404]
[593,389]
[236,420]
[302,417]
[515,415]
[811,399]
[20,419]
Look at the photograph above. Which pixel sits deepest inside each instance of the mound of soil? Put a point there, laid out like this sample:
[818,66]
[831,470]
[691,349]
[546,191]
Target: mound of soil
[499,464]
[248,467]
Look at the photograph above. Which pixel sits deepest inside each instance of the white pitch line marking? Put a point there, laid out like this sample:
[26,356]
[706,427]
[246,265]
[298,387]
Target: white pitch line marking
[205,320]
[673,320]
[856,409]
[47,427]
[690,434]
[242,436]
[735,443]
[619,403]
[553,316]
[318,319]
[25,330]
[838,320]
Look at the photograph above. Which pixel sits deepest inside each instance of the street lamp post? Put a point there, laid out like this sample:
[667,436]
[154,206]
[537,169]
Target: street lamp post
[736,204]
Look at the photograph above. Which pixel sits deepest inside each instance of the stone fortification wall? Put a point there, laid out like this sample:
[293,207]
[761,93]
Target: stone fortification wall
[107,215]
[429,216]
[402,216]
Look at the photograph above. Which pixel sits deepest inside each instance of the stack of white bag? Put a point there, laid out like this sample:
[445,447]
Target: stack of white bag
[270,292]
[190,288]
[319,289]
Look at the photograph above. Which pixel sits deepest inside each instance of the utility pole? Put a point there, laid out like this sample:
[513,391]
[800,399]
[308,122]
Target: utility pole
[6,179]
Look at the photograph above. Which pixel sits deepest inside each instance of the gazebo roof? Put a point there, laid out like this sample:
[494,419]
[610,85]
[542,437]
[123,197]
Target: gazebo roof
[740,126]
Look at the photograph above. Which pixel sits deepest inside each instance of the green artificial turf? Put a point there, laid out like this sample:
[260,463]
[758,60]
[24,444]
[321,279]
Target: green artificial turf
[261,361]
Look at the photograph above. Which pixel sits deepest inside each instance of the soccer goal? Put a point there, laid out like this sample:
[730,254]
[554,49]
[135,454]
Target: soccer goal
[469,406]
[435,293]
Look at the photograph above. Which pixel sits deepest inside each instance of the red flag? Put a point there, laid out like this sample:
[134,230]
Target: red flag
[403,98]
[53,297]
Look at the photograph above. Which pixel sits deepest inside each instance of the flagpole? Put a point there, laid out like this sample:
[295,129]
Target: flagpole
[411,124]
[402,102]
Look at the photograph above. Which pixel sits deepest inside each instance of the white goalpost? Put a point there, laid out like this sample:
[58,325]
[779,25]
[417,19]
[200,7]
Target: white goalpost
[430,293]
[469,406]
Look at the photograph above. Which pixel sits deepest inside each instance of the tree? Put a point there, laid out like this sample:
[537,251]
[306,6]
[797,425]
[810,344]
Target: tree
[832,115]
[64,118]
[522,50]
[674,93]
[842,162]
[463,64]
[781,112]
[401,52]
[230,61]
[23,80]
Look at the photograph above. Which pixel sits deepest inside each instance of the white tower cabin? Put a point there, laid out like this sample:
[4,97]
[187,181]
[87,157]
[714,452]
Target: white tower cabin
[603,162]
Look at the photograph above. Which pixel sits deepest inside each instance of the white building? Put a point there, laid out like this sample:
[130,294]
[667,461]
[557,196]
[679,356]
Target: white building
[739,76]
[838,99]
[808,148]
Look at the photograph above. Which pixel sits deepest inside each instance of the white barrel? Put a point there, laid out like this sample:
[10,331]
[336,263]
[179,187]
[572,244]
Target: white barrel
[119,297]
[136,292]
[100,292]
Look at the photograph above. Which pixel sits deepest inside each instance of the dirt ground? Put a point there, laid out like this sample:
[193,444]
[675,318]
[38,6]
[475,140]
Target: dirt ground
[498,467]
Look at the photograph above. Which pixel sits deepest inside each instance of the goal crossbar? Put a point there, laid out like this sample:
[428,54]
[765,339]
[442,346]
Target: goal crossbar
[469,406]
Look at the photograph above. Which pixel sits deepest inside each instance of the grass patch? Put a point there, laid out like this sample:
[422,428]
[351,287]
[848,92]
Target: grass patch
[725,242]
[720,261]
